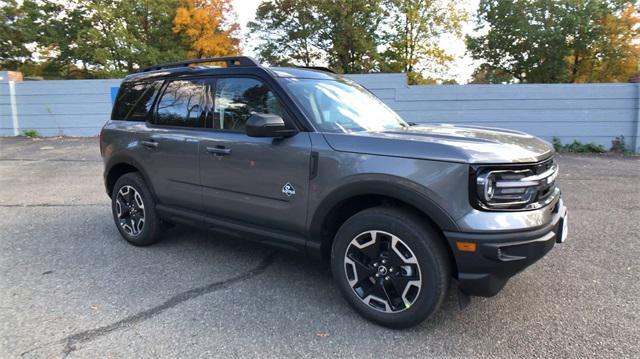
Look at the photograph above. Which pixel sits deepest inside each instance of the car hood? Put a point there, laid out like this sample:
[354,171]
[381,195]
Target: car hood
[464,144]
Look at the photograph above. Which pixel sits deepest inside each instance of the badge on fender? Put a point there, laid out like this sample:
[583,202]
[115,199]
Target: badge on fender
[288,189]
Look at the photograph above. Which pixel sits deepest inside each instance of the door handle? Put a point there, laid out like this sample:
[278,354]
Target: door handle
[219,150]
[149,144]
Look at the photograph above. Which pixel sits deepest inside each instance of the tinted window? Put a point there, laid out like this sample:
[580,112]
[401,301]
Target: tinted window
[237,98]
[143,107]
[182,104]
[128,96]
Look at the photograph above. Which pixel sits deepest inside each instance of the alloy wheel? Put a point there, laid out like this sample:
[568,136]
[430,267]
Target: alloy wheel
[382,271]
[130,210]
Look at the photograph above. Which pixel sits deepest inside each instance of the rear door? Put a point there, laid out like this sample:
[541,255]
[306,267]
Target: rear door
[173,140]
[261,181]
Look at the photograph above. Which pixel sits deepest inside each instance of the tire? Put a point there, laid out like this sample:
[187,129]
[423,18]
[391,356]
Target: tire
[131,200]
[381,251]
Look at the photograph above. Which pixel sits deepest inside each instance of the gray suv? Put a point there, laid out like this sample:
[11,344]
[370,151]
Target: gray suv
[309,161]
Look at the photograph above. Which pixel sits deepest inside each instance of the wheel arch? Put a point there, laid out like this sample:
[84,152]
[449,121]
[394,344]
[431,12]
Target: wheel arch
[352,198]
[120,165]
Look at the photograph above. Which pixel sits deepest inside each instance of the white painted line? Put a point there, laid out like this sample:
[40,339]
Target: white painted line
[14,107]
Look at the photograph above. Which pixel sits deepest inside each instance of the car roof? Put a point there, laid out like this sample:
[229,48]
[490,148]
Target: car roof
[282,72]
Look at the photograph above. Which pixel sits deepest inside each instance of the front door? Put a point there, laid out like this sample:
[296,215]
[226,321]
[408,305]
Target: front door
[260,181]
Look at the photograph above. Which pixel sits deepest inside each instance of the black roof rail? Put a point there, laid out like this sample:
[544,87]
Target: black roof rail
[317,68]
[231,61]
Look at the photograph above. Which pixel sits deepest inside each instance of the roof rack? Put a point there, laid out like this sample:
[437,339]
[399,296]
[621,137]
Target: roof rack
[231,61]
[317,68]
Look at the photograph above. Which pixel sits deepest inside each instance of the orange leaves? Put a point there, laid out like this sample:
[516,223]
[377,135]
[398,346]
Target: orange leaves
[208,26]
[616,55]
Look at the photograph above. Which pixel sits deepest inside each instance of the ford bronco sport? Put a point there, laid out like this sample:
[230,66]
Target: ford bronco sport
[307,160]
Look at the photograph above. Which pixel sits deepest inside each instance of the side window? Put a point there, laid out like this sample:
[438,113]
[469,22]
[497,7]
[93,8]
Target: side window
[237,98]
[128,96]
[142,108]
[181,104]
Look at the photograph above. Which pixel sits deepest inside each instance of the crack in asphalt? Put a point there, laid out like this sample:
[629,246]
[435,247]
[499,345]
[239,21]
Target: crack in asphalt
[18,205]
[71,342]
[46,160]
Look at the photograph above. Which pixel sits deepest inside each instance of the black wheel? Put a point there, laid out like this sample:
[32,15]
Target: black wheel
[134,211]
[390,266]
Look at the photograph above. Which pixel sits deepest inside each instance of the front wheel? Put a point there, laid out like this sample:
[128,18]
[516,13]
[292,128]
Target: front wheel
[390,266]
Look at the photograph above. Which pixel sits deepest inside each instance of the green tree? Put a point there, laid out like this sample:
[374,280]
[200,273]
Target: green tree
[13,35]
[287,31]
[94,38]
[125,35]
[343,34]
[415,28]
[350,34]
[151,23]
[486,74]
[544,41]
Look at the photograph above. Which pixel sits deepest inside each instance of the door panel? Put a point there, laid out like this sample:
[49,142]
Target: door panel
[174,166]
[247,184]
[243,177]
[173,142]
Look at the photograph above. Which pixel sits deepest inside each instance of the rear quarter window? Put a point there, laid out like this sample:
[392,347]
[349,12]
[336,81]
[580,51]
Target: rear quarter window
[134,101]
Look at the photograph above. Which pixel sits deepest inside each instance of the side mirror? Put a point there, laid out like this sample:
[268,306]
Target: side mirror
[267,125]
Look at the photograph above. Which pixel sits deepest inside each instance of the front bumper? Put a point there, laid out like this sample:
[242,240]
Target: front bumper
[501,255]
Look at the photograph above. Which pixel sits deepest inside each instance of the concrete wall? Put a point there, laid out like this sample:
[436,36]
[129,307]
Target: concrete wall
[587,113]
[61,107]
[584,112]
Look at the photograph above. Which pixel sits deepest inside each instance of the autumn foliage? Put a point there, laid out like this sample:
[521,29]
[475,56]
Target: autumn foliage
[617,54]
[207,28]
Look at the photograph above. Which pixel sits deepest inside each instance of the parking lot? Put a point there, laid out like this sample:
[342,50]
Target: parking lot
[70,286]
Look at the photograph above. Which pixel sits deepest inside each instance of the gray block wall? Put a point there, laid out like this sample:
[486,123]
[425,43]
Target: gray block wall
[584,112]
[56,108]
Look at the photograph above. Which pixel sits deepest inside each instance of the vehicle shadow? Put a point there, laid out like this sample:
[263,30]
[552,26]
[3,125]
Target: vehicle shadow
[297,273]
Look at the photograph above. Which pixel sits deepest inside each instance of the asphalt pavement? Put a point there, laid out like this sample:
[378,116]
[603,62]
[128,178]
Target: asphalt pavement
[70,286]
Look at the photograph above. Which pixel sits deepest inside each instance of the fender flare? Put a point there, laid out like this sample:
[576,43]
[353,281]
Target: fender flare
[396,188]
[118,159]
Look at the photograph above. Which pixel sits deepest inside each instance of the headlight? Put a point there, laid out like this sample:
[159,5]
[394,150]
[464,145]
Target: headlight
[514,188]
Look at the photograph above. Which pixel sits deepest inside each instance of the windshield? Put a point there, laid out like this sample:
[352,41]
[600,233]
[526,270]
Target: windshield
[336,106]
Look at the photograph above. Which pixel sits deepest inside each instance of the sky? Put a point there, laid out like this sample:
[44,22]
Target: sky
[462,67]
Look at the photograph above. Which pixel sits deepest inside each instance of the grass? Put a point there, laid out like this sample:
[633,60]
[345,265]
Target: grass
[30,133]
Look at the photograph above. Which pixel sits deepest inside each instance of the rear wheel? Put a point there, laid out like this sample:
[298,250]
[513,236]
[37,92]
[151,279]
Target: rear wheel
[134,211]
[390,266]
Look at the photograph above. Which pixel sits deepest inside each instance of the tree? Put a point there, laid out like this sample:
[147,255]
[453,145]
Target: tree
[97,38]
[349,34]
[287,31]
[540,40]
[614,56]
[343,34]
[207,27]
[416,26]
[150,22]
[486,74]
[13,36]
[522,39]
